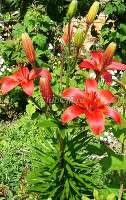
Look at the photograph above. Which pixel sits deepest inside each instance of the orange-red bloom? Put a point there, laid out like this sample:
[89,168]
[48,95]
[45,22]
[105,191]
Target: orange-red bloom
[25,79]
[22,77]
[102,63]
[28,48]
[91,102]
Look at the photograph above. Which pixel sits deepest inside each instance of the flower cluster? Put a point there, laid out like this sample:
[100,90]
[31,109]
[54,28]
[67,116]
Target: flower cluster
[103,64]
[24,77]
[3,67]
[92,103]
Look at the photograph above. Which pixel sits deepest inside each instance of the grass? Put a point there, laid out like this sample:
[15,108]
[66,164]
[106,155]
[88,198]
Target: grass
[16,141]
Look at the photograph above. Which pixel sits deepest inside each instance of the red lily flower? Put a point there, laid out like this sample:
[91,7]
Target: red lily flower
[91,102]
[102,63]
[23,78]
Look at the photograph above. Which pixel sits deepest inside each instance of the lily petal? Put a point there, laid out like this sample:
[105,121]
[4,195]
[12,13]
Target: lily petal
[88,64]
[74,95]
[8,83]
[71,113]
[114,114]
[22,74]
[116,66]
[96,121]
[106,97]
[39,72]
[91,85]
[97,56]
[107,77]
[28,87]
[33,73]
[45,73]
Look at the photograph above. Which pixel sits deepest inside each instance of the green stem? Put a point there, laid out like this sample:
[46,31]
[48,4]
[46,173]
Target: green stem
[124,88]
[69,31]
[122,172]
[61,140]
[61,70]
[124,105]
[77,53]
[67,79]
[121,175]
[99,75]
[67,71]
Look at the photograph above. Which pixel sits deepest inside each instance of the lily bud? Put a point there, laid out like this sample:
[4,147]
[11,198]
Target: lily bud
[79,38]
[65,37]
[46,90]
[109,52]
[92,12]
[72,8]
[28,48]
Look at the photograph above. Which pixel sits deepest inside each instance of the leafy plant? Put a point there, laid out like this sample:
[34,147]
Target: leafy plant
[116,12]
[62,175]
[68,117]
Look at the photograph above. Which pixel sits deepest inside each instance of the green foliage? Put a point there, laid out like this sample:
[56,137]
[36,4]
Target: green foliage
[12,105]
[115,29]
[39,26]
[115,7]
[98,196]
[62,176]
[62,164]
[15,142]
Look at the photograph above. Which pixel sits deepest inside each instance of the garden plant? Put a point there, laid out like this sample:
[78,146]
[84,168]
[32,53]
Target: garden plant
[72,102]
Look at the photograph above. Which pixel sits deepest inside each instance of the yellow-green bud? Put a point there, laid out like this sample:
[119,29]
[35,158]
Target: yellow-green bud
[92,12]
[109,52]
[79,38]
[72,8]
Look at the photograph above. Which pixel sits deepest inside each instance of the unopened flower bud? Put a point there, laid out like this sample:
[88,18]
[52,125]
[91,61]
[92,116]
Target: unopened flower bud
[92,12]
[109,52]
[79,38]
[46,90]
[28,48]
[72,8]
[65,36]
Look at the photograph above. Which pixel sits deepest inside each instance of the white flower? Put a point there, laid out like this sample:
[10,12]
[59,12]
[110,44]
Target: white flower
[92,74]
[59,54]
[9,70]
[1,38]
[111,134]
[50,47]
[4,66]
[109,139]
[101,138]
[2,69]
[106,134]
[114,77]
[1,60]
[105,140]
